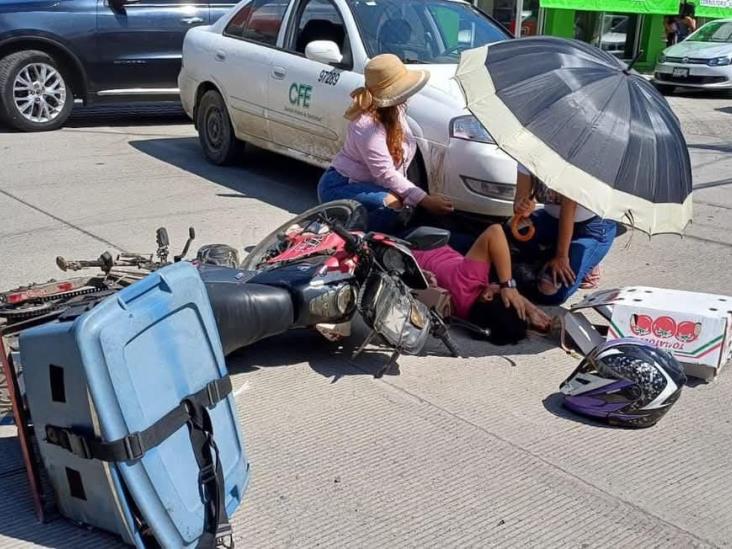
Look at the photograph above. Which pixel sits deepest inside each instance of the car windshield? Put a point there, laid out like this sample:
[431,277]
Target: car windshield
[423,31]
[717,31]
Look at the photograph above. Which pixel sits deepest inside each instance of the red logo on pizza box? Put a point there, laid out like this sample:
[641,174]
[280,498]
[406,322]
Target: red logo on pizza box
[641,325]
[688,331]
[665,327]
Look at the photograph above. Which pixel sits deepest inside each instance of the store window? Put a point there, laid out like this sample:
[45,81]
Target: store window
[616,33]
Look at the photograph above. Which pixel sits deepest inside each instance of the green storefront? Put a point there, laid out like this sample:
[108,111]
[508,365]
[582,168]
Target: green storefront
[624,28]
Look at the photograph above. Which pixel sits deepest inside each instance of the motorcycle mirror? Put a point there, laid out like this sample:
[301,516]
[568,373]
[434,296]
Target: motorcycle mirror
[162,237]
[191,237]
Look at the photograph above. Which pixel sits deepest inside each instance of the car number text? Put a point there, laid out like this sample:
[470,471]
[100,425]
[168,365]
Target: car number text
[329,77]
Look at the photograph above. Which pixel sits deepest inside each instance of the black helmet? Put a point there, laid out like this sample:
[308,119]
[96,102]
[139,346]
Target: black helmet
[218,254]
[625,382]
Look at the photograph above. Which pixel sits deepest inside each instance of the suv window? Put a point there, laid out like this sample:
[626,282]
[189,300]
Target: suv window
[259,20]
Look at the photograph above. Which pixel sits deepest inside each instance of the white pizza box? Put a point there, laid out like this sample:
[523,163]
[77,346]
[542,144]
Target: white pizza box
[695,327]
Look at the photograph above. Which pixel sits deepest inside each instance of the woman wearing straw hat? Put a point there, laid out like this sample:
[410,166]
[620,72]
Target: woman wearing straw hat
[371,167]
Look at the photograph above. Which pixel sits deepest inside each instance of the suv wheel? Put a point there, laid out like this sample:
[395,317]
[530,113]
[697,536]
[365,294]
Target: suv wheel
[34,92]
[215,131]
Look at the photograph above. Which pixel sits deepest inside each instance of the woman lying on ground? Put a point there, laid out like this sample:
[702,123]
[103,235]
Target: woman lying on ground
[570,241]
[498,307]
[371,167]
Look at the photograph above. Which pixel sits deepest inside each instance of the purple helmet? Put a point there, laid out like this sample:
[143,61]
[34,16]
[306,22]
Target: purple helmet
[625,382]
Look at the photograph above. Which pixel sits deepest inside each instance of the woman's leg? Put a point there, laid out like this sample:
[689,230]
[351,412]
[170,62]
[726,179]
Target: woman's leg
[330,185]
[591,243]
[382,206]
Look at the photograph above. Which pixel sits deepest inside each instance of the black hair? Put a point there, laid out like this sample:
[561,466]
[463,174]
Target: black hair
[687,10]
[504,324]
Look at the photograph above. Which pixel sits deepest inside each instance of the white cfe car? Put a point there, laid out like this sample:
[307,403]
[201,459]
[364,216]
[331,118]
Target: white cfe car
[278,74]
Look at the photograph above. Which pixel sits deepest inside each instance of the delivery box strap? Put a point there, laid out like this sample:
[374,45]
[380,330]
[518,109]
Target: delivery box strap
[133,446]
[217,531]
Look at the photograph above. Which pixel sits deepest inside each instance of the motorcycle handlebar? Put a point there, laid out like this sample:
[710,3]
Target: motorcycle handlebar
[350,240]
[105,262]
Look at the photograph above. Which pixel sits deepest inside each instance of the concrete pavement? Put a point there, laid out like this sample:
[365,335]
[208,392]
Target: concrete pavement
[453,452]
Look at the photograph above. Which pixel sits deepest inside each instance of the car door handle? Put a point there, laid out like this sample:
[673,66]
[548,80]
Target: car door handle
[279,73]
[192,20]
[220,55]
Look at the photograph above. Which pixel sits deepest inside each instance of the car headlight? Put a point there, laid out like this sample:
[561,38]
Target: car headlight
[719,61]
[502,191]
[470,129]
[662,58]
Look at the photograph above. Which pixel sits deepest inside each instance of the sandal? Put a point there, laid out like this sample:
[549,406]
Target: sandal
[591,280]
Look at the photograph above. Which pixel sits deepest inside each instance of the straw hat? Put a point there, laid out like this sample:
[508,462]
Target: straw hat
[388,83]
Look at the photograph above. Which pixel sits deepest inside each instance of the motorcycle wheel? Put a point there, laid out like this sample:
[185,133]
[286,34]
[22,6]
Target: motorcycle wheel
[351,214]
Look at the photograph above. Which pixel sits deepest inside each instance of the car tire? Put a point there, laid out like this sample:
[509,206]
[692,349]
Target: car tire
[665,89]
[35,92]
[215,131]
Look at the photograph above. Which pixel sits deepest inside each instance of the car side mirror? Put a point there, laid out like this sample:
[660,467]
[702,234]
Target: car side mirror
[324,51]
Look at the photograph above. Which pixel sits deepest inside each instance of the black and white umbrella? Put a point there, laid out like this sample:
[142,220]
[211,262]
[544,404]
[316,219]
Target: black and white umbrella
[586,125]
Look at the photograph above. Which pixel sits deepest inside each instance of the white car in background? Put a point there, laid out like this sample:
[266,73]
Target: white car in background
[278,74]
[703,60]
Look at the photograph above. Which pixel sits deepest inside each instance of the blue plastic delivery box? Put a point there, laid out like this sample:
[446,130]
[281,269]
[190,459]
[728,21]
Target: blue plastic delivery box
[133,412]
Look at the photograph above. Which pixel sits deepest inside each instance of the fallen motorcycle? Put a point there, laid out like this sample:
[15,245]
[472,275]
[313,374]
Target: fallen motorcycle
[315,271]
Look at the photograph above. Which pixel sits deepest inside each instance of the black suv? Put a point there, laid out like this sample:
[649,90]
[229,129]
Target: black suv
[53,52]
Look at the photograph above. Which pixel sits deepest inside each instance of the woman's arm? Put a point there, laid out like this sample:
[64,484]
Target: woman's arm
[523,203]
[559,266]
[567,212]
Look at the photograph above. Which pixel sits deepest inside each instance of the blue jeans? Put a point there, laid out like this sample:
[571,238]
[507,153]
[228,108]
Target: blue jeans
[591,241]
[334,186]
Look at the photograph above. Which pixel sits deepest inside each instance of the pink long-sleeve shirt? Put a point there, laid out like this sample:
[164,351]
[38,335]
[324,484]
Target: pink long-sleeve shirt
[365,158]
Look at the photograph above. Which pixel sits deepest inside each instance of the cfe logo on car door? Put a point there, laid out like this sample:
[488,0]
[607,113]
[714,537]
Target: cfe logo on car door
[300,95]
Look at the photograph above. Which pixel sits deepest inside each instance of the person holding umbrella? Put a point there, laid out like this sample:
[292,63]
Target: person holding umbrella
[599,137]
[570,241]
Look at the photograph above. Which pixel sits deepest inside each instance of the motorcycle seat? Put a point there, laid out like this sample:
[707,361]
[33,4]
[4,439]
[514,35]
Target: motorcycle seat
[246,312]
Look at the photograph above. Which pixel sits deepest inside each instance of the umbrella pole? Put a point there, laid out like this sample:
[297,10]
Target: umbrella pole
[519,17]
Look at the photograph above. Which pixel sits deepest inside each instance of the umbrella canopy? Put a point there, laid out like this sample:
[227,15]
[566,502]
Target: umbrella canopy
[586,126]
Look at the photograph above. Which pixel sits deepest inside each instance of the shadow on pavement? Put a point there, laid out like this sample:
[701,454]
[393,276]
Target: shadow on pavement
[553,404]
[335,359]
[702,94]
[716,147]
[19,520]
[129,114]
[727,110]
[275,179]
